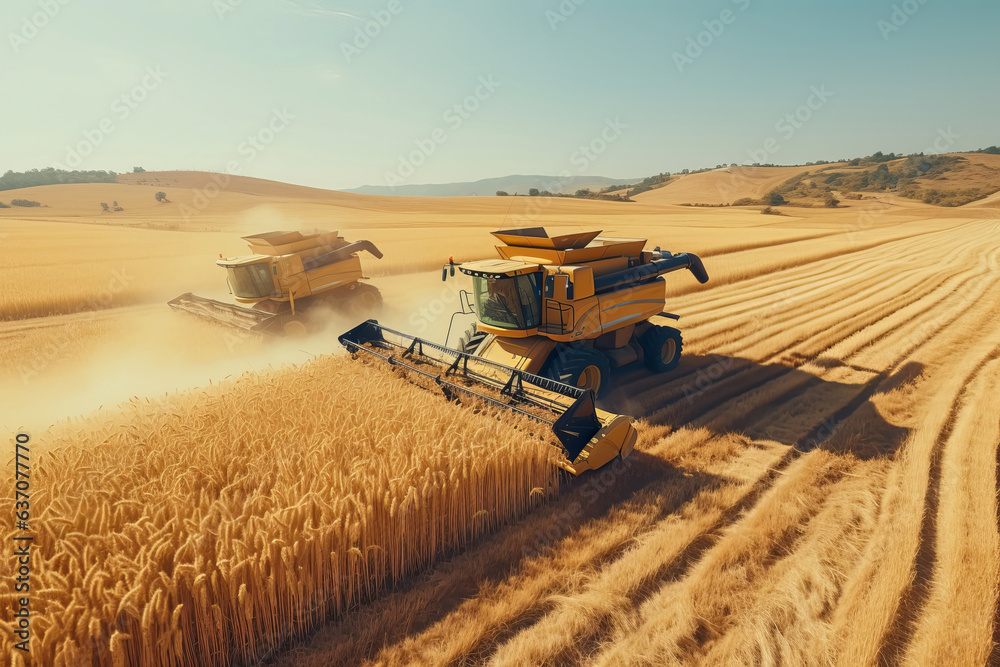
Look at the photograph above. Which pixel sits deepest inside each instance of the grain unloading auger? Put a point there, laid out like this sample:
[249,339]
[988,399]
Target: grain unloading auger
[589,437]
[287,274]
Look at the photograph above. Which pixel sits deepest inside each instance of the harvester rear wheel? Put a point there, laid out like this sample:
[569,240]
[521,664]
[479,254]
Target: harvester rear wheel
[582,367]
[662,348]
[295,328]
[471,339]
[364,301]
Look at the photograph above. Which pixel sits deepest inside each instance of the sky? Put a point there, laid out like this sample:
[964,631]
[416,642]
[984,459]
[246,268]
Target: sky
[341,93]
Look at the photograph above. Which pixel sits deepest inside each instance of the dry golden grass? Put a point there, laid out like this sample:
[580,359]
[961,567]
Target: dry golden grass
[212,527]
[51,268]
[816,484]
[804,490]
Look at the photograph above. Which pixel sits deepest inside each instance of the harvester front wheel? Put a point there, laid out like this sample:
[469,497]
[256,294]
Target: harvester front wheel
[661,347]
[582,367]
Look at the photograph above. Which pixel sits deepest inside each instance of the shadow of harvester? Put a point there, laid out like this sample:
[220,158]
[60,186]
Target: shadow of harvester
[768,401]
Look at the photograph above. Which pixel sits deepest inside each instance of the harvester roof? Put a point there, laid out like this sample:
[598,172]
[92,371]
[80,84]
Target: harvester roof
[243,261]
[497,268]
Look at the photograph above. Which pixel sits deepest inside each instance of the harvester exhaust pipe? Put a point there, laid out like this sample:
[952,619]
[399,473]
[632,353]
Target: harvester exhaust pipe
[651,270]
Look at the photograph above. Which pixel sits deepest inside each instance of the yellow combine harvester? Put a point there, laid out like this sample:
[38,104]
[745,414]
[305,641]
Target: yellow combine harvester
[555,315]
[287,274]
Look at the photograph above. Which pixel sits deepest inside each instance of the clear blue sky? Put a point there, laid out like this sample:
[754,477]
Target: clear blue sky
[229,64]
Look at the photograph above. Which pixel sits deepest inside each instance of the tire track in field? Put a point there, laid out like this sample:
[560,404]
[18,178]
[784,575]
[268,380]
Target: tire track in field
[698,547]
[652,382]
[750,401]
[956,625]
[879,588]
[872,386]
[735,381]
[915,597]
[725,295]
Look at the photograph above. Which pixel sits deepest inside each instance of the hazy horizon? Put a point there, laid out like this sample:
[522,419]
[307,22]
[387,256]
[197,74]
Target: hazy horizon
[299,92]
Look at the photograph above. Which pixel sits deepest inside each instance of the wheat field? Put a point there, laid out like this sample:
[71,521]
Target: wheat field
[815,484]
[213,527]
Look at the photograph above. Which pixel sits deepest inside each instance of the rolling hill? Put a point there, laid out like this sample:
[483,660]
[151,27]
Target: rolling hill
[489,186]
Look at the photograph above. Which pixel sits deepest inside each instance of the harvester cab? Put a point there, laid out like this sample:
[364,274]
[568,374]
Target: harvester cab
[554,315]
[288,273]
[573,307]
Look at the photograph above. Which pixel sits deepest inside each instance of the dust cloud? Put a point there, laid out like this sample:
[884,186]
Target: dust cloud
[150,351]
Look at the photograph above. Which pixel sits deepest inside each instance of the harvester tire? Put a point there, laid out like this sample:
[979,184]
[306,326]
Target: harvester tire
[661,348]
[295,328]
[364,301]
[471,339]
[582,367]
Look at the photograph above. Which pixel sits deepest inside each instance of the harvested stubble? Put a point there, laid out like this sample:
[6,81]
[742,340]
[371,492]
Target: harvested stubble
[213,526]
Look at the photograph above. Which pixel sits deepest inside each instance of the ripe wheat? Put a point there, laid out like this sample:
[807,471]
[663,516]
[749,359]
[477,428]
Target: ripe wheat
[213,526]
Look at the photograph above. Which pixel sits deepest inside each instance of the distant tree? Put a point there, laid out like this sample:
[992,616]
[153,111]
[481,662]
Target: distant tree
[26,203]
[501,193]
[2,205]
[105,207]
[162,197]
[12,180]
[116,207]
[774,198]
[137,170]
[583,192]
[831,201]
[685,171]
[533,192]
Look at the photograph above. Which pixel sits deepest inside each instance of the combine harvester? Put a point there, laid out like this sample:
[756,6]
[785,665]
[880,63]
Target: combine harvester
[287,275]
[555,316]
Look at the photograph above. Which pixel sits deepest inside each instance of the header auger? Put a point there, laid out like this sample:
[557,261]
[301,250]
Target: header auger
[554,315]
